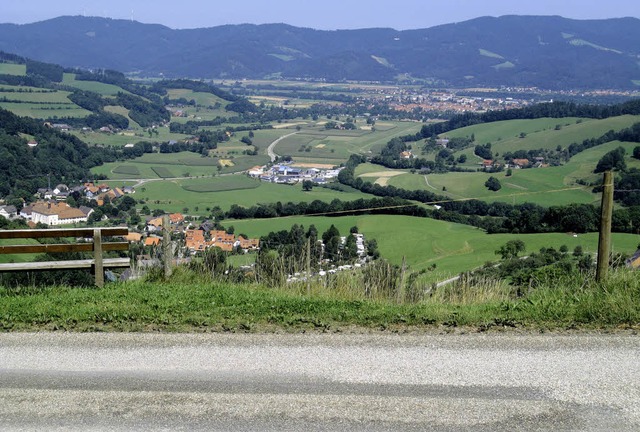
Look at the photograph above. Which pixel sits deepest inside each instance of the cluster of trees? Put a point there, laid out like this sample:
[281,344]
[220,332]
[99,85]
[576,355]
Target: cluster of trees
[613,160]
[23,169]
[546,265]
[145,113]
[285,252]
[48,71]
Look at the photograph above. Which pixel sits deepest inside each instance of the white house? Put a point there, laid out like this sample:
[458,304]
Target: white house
[56,213]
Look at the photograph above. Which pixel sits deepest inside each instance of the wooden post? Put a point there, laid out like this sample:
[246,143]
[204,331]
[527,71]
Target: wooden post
[401,289]
[604,240]
[98,267]
[166,246]
[308,265]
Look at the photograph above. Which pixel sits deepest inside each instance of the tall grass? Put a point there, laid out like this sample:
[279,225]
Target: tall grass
[192,300]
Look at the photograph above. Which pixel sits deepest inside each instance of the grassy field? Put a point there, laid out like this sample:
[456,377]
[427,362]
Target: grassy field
[332,146]
[44,111]
[453,248]
[182,164]
[35,103]
[13,69]
[540,133]
[220,184]
[543,186]
[173,195]
[94,86]
[202,99]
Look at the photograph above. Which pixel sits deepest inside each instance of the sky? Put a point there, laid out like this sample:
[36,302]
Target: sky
[323,14]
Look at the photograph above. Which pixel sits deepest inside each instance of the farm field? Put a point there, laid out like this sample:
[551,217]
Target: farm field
[333,146]
[505,136]
[201,98]
[174,196]
[453,248]
[94,86]
[36,103]
[45,111]
[543,186]
[13,69]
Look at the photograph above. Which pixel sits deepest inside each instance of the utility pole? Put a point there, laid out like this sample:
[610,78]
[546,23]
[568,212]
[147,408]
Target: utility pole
[604,240]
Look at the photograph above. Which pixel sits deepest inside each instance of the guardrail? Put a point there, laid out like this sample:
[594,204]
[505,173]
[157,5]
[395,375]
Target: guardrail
[98,263]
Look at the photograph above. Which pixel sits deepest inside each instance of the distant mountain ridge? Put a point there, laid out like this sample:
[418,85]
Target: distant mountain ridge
[543,51]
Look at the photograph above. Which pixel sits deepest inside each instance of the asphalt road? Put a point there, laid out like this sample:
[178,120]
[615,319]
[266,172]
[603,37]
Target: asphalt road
[319,382]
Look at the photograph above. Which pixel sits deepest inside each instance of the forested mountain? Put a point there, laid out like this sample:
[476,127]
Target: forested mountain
[547,52]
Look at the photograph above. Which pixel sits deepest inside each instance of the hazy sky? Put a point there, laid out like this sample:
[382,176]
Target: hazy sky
[322,14]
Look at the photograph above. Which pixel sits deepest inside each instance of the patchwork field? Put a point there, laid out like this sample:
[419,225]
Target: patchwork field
[321,145]
[168,165]
[38,103]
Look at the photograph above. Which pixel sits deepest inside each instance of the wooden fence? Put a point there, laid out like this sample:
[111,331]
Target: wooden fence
[98,263]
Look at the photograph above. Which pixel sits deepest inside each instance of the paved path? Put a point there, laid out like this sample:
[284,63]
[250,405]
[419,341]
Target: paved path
[319,382]
[272,155]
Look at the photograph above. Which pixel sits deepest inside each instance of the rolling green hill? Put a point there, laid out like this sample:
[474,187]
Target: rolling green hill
[454,248]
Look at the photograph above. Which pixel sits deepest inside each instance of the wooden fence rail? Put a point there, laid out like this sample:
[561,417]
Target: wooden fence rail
[98,263]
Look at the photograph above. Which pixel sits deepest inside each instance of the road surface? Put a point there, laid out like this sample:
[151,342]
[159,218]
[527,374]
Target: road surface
[308,383]
[272,155]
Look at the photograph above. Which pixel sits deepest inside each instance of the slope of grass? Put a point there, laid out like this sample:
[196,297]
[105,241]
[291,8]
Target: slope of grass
[172,195]
[94,86]
[13,69]
[544,186]
[453,248]
[191,302]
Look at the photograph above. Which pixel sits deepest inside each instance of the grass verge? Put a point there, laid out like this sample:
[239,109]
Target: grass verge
[188,303]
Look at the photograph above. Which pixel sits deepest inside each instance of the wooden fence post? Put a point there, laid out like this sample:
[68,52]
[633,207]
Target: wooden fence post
[401,293]
[166,246]
[308,256]
[604,239]
[98,267]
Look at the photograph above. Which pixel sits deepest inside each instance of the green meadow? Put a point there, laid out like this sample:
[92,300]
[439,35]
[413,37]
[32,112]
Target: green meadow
[201,98]
[36,103]
[94,86]
[544,186]
[175,195]
[13,69]
[540,133]
[453,248]
[334,146]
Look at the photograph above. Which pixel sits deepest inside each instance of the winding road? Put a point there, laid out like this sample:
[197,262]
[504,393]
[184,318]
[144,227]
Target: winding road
[319,382]
[272,155]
